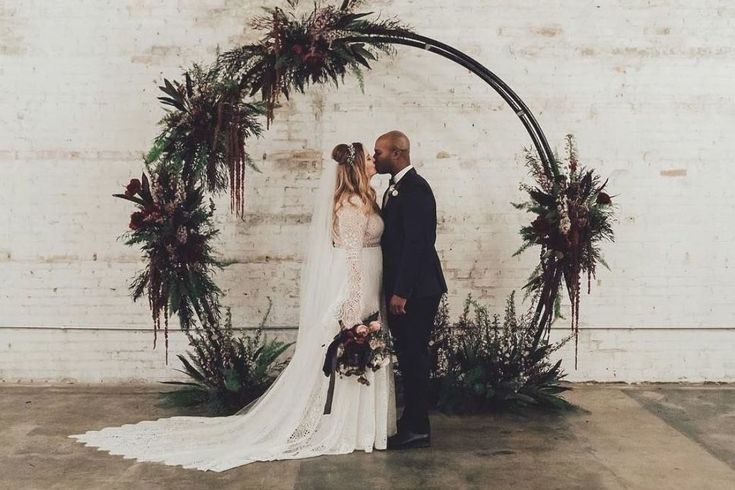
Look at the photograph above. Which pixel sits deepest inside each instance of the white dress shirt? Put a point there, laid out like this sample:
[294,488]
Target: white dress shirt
[395,179]
[400,174]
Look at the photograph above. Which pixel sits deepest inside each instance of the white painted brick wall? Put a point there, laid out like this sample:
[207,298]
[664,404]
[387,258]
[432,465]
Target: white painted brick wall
[647,87]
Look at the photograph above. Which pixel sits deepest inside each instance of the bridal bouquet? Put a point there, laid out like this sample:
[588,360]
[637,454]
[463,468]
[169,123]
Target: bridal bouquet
[356,350]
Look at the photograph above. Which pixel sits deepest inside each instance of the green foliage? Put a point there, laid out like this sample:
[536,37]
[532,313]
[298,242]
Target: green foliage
[173,226]
[572,216]
[572,212]
[226,371]
[204,131]
[320,46]
[482,363]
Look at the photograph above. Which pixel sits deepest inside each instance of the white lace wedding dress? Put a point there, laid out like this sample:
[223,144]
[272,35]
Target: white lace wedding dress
[341,279]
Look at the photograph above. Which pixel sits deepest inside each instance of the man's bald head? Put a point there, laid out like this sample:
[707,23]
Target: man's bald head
[397,140]
[392,152]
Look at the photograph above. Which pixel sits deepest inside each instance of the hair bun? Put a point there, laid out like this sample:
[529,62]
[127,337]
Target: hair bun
[340,153]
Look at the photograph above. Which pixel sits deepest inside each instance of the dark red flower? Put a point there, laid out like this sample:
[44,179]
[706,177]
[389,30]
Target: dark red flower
[133,187]
[558,242]
[136,220]
[541,226]
[314,57]
[192,253]
[574,238]
[603,198]
[297,49]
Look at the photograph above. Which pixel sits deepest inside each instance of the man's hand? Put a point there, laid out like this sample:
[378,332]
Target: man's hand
[397,305]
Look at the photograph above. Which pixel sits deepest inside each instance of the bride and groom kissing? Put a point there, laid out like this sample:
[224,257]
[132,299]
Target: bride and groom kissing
[361,257]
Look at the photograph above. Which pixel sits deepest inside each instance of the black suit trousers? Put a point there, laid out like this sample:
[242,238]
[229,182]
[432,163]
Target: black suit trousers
[411,333]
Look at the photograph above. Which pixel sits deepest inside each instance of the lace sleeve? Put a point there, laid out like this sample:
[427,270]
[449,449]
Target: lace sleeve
[351,224]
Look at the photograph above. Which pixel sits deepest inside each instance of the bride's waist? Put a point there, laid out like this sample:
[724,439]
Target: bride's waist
[365,248]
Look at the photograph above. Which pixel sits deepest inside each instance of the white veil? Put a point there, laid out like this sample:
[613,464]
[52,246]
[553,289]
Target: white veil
[323,279]
[322,286]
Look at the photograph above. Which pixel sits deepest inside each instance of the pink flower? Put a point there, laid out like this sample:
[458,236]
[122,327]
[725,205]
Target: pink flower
[361,330]
[374,326]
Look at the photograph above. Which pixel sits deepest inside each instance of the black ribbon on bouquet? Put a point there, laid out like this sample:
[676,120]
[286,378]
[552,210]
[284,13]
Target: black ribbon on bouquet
[330,394]
[330,364]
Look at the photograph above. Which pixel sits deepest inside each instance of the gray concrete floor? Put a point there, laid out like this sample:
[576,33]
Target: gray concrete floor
[624,436]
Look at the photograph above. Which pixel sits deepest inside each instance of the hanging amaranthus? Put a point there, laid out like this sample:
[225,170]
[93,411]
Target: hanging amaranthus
[204,137]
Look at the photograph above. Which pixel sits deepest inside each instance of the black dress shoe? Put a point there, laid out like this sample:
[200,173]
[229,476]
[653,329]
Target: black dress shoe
[409,440]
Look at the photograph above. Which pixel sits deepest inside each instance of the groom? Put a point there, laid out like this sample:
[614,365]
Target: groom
[413,281]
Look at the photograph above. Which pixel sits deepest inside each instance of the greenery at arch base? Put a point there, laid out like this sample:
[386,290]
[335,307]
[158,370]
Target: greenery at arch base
[202,151]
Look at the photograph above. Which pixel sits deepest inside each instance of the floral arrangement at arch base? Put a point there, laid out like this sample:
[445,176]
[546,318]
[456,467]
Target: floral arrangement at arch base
[484,362]
[226,371]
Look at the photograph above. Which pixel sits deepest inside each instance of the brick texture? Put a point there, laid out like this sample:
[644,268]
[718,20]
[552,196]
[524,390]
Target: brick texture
[646,88]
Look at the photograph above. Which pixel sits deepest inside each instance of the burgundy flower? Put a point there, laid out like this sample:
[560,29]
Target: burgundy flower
[133,187]
[603,198]
[192,253]
[136,220]
[297,49]
[574,238]
[558,242]
[541,226]
[314,57]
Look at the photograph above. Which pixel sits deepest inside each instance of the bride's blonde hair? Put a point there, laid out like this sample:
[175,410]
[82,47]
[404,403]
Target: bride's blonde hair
[352,178]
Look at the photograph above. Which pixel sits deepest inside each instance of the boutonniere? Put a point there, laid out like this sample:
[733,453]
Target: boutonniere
[393,188]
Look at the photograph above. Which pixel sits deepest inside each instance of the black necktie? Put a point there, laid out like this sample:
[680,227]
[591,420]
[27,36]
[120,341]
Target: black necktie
[386,196]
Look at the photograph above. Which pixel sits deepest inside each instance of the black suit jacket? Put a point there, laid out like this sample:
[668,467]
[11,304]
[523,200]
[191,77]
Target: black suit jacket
[411,266]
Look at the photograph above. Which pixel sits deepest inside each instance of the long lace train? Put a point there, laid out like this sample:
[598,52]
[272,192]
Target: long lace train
[287,422]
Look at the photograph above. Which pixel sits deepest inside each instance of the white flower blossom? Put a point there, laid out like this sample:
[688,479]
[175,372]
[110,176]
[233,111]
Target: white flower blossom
[182,234]
[565,225]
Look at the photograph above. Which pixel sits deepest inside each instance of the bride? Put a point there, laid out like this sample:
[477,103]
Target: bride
[340,280]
